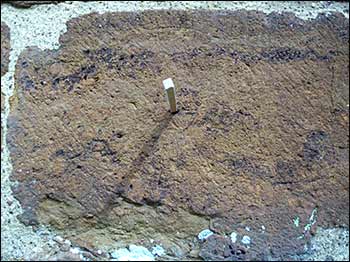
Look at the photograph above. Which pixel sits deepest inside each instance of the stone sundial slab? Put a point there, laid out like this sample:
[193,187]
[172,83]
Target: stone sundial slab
[261,136]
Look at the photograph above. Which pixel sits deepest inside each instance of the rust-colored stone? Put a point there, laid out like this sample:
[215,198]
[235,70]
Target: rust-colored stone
[261,136]
[5,59]
[27,4]
[5,48]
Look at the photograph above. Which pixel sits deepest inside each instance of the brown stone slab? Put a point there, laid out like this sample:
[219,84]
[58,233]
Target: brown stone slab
[5,48]
[5,59]
[27,4]
[261,136]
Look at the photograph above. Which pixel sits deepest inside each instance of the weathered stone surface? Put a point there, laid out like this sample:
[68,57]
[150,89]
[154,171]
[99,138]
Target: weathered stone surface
[5,48]
[5,59]
[262,135]
[26,4]
[219,248]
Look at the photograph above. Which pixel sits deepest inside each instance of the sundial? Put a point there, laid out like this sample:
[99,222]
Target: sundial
[259,138]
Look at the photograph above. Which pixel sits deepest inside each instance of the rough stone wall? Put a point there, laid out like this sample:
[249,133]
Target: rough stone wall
[261,136]
[5,48]
[27,4]
[5,54]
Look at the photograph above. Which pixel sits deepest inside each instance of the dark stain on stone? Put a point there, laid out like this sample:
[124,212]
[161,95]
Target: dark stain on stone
[116,59]
[285,169]
[316,146]
[101,146]
[277,55]
[245,166]
[27,83]
[286,173]
[223,118]
[71,80]
[27,191]
[219,248]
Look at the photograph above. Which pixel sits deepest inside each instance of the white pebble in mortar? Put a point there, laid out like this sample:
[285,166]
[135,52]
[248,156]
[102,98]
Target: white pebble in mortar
[204,234]
[233,237]
[246,240]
